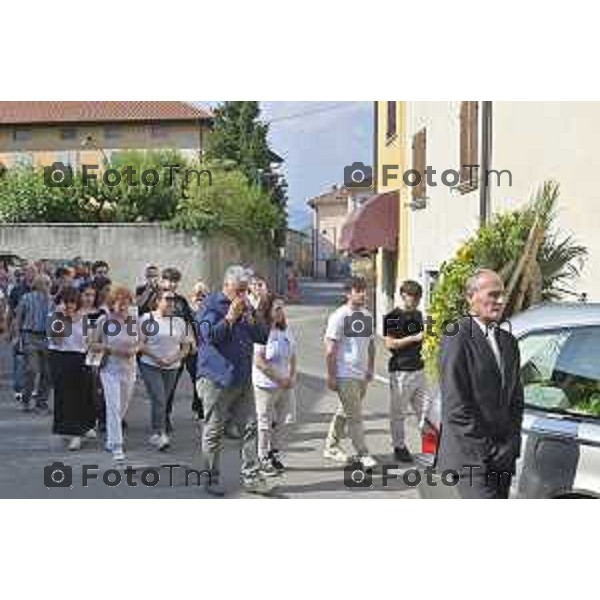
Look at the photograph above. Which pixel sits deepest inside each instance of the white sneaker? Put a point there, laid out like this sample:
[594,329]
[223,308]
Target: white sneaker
[91,435]
[163,441]
[155,439]
[255,484]
[367,461]
[336,455]
[118,455]
[75,443]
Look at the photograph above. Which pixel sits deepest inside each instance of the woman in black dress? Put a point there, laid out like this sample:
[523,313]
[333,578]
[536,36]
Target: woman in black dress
[74,411]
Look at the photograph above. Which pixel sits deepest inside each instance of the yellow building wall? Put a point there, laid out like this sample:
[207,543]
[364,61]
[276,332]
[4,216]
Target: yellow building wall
[46,145]
[395,151]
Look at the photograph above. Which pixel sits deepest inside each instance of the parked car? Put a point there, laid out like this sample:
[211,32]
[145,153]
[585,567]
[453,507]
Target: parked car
[560,367]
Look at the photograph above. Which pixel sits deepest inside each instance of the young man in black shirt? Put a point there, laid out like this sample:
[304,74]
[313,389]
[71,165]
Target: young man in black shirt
[403,334]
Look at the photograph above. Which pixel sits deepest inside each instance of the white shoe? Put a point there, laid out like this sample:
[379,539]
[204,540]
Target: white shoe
[164,441]
[155,439]
[336,455]
[255,484]
[75,443]
[118,455]
[367,461]
[91,435]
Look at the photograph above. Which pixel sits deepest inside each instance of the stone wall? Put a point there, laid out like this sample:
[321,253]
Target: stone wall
[129,247]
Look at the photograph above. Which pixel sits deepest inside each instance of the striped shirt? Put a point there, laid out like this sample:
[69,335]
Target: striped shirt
[32,311]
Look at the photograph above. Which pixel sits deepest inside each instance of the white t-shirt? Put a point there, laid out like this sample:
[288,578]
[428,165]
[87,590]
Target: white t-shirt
[76,342]
[277,352]
[123,340]
[352,352]
[166,343]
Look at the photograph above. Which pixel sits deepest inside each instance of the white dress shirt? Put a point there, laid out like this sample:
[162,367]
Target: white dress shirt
[489,333]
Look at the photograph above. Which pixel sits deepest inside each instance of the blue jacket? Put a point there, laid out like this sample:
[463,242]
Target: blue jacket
[225,352]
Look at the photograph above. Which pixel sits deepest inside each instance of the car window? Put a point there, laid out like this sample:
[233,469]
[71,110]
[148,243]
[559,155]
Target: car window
[561,369]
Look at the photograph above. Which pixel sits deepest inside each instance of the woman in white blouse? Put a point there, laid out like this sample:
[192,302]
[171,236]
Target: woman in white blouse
[117,338]
[274,377]
[165,342]
[74,410]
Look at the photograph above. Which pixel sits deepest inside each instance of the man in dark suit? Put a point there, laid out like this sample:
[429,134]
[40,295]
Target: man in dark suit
[482,395]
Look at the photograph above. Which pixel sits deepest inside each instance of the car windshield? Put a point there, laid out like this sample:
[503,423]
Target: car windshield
[561,370]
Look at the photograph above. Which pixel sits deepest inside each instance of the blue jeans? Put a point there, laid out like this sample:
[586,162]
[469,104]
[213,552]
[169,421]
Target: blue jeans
[18,368]
[159,384]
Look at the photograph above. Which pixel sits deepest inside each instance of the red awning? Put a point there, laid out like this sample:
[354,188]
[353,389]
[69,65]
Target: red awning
[373,225]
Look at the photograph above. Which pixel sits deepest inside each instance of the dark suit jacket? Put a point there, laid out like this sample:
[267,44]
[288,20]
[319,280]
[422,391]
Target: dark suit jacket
[482,407]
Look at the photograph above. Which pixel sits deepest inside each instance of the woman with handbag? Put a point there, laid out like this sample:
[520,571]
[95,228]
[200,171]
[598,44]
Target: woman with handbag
[274,378]
[117,339]
[74,410]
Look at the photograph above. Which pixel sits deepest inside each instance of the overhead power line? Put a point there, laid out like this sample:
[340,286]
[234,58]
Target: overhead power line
[313,111]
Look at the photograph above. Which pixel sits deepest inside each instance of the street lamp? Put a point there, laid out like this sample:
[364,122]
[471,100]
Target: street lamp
[90,142]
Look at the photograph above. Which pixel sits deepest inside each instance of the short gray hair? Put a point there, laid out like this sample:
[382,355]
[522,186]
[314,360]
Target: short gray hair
[472,283]
[237,274]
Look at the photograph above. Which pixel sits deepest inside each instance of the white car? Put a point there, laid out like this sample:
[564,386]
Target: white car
[560,367]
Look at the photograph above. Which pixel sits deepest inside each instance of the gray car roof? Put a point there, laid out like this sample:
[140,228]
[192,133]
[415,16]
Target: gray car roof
[555,315]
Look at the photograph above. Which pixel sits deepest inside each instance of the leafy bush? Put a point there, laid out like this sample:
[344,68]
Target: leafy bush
[500,246]
[231,205]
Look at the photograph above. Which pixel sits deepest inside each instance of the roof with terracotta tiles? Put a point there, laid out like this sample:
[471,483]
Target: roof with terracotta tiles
[28,113]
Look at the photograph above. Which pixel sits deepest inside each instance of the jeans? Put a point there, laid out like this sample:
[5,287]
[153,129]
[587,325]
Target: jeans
[351,393]
[35,367]
[223,405]
[18,369]
[160,384]
[407,388]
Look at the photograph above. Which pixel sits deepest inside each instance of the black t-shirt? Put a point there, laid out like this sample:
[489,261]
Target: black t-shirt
[399,324]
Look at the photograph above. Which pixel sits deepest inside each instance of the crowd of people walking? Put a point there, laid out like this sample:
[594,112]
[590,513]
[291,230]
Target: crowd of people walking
[235,345]
[76,334]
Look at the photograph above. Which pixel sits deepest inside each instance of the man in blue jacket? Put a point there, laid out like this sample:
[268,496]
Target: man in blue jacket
[228,329]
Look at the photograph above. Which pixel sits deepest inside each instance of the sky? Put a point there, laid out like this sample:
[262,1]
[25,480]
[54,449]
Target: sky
[317,139]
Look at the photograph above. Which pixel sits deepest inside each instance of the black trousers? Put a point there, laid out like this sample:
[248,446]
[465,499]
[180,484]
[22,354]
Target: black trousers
[190,366]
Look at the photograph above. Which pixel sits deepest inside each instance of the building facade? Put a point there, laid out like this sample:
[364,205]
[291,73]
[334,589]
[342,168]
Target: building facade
[527,143]
[330,211]
[76,133]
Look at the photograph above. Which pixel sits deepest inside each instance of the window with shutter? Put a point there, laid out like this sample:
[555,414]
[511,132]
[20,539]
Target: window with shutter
[469,145]
[419,163]
[391,131]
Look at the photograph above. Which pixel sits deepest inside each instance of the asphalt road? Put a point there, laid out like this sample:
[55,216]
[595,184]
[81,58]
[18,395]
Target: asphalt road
[27,445]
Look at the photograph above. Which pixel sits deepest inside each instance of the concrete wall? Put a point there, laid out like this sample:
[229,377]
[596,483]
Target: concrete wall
[536,141]
[128,248]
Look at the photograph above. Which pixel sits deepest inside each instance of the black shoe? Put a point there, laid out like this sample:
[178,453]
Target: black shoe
[42,407]
[276,461]
[124,425]
[403,455]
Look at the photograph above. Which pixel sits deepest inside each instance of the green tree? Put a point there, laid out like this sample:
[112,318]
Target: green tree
[535,260]
[240,138]
[25,197]
[231,205]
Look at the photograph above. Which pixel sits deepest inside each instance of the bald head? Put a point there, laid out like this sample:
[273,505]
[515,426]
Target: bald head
[485,294]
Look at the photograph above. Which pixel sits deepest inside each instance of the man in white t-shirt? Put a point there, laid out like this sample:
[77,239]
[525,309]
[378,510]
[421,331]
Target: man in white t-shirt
[350,357]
